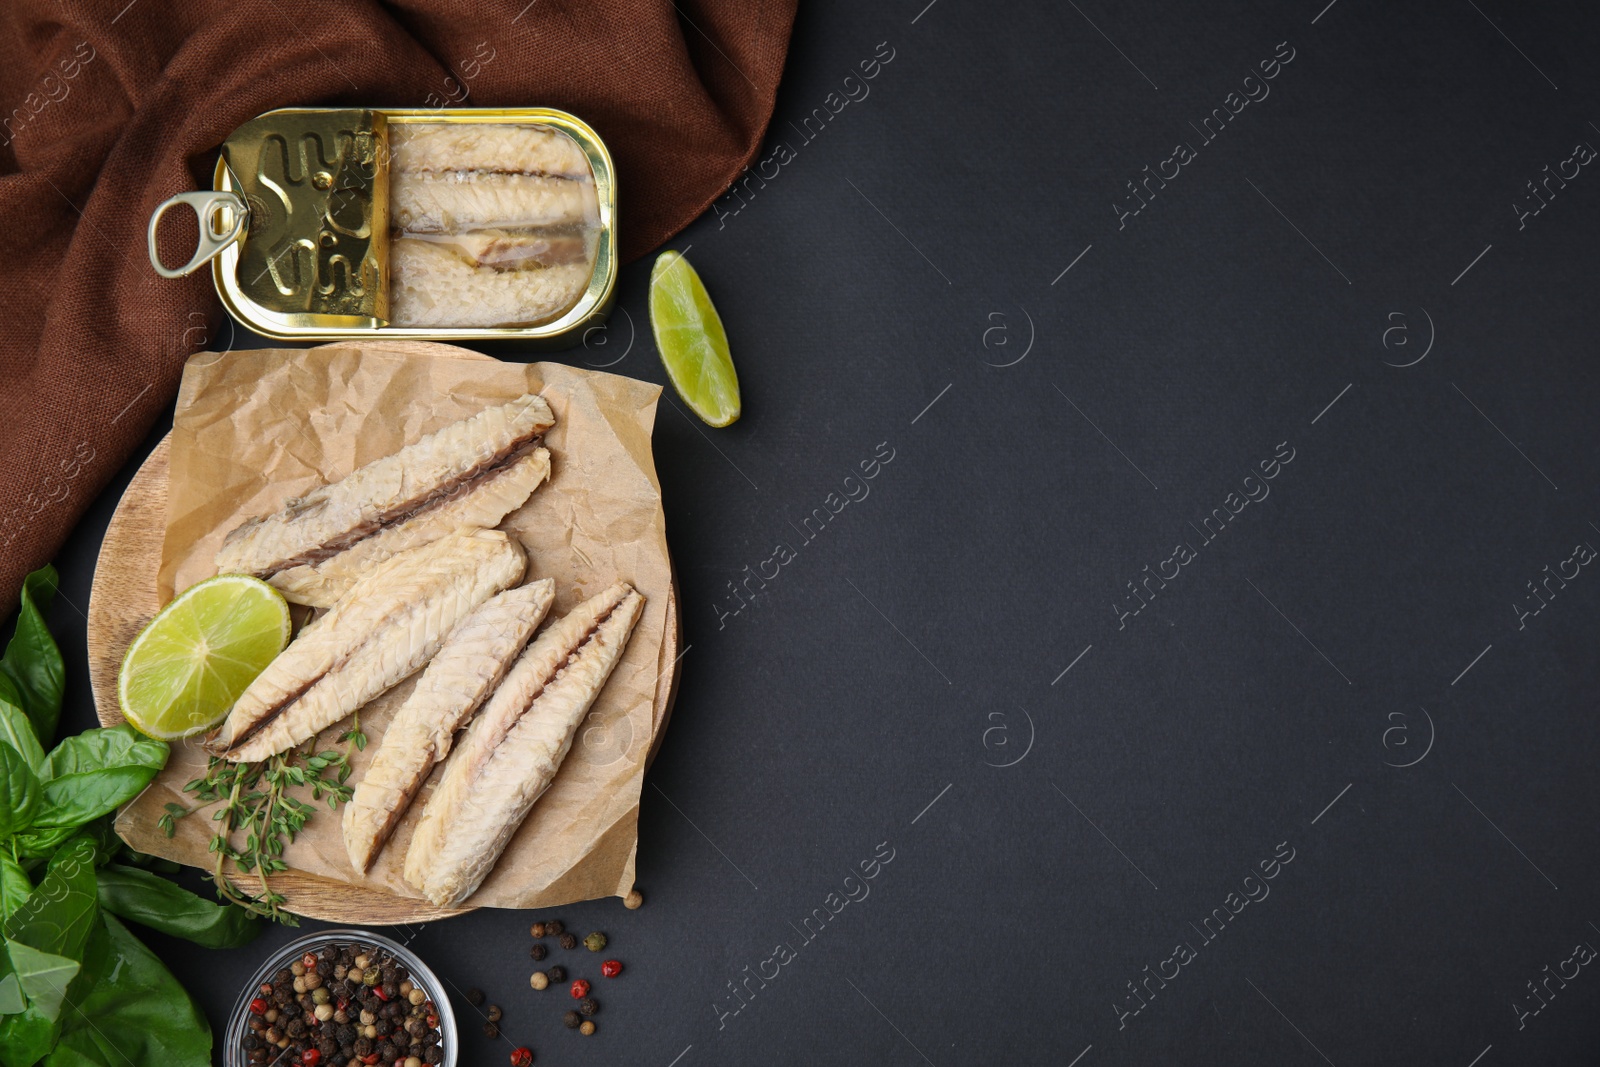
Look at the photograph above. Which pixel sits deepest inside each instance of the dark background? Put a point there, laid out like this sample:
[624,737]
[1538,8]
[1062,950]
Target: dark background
[1085,823]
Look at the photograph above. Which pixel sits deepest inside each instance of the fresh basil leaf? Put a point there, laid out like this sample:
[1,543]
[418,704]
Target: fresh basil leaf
[43,976]
[17,731]
[8,689]
[42,841]
[59,915]
[95,773]
[134,1012]
[32,660]
[27,1037]
[98,750]
[19,792]
[15,887]
[150,900]
[12,1002]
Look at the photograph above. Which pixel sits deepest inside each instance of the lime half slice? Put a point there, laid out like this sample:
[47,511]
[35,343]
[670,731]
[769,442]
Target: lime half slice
[693,346]
[190,663]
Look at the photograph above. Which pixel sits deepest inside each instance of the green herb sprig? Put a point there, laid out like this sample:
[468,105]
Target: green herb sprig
[258,801]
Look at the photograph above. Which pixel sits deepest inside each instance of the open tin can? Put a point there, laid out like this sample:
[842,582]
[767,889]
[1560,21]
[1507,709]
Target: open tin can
[474,224]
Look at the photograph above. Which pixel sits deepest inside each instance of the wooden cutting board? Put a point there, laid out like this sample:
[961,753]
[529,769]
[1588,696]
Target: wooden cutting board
[123,599]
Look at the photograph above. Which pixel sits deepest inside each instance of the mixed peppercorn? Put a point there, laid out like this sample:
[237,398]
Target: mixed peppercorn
[341,1005]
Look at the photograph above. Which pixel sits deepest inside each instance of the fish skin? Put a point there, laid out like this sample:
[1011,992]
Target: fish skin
[456,200]
[465,670]
[512,750]
[436,146]
[481,504]
[389,625]
[430,285]
[332,517]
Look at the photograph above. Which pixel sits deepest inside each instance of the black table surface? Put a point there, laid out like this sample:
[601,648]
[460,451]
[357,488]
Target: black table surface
[1156,548]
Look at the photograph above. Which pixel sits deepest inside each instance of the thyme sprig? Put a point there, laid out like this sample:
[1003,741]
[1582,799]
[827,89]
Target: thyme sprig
[259,801]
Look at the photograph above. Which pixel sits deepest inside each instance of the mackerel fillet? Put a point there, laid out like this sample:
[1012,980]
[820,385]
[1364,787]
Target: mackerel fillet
[480,504]
[384,630]
[514,747]
[467,668]
[333,517]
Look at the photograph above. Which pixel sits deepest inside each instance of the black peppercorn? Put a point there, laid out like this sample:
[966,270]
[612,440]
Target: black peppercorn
[391,989]
[491,1031]
[494,1014]
[386,1051]
[475,997]
[569,941]
[325,967]
[251,1042]
[383,1027]
[434,1055]
[296,1027]
[571,1020]
[553,928]
[589,1006]
[363,1047]
[538,951]
[557,973]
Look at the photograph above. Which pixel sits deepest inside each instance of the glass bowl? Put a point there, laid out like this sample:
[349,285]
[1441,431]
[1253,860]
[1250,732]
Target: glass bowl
[233,1054]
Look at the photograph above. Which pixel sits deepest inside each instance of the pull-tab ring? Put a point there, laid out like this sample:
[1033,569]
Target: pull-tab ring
[222,217]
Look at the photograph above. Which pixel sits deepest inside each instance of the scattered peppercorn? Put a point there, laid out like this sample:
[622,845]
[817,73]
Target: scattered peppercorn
[554,928]
[611,968]
[557,973]
[538,951]
[633,900]
[491,1031]
[580,989]
[595,941]
[522,1057]
[588,1028]
[569,941]
[571,1020]
[537,930]
[494,1014]
[589,1006]
[539,980]
[475,997]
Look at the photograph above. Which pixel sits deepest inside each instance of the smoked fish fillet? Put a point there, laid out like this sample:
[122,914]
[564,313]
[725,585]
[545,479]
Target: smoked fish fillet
[456,200]
[480,504]
[430,285]
[444,146]
[389,625]
[514,747]
[465,670]
[333,517]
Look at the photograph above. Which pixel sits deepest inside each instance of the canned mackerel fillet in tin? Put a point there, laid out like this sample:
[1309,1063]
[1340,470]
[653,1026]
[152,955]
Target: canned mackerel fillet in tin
[465,224]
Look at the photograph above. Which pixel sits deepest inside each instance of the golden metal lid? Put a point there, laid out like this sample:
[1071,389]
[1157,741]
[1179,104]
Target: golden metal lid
[309,208]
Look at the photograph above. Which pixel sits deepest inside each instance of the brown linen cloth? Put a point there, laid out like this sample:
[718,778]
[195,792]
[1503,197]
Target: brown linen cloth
[106,109]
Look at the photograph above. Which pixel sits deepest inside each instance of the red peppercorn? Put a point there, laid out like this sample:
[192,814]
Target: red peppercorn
[377,991]
[370,1059]
[309,961]
[258,1007]
[522,1057]
[311,1057]
[611,968]
[580,989]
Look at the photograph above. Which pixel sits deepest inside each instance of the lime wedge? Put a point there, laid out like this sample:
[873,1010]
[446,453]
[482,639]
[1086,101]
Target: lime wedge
[689,336]
[190,663]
